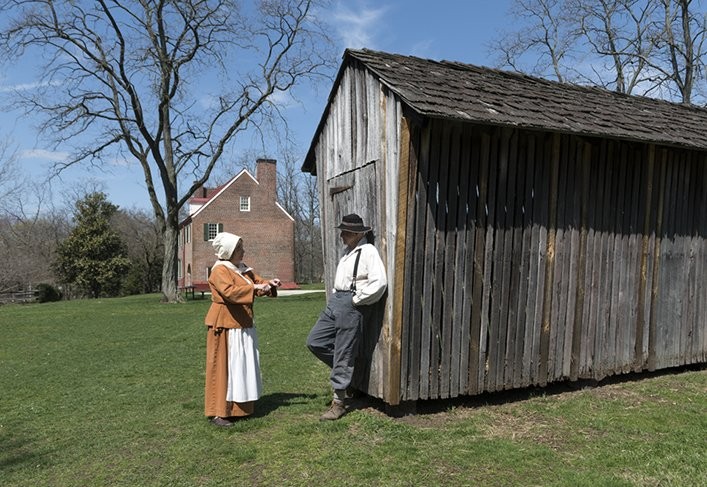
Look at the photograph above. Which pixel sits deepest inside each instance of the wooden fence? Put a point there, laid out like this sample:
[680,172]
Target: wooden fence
[18,297]
[535,257]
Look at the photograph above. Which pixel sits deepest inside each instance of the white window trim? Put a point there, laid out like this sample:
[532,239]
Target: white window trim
[245,199]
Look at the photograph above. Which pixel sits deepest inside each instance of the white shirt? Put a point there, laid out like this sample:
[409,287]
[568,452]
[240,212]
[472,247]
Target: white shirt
[371,279]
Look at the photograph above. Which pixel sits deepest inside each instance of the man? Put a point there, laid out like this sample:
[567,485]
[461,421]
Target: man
[360,281]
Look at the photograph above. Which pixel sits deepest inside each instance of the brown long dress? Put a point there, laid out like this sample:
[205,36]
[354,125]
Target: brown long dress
[231,307]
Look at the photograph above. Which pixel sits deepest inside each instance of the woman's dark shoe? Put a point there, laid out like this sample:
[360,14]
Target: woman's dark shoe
[223,423]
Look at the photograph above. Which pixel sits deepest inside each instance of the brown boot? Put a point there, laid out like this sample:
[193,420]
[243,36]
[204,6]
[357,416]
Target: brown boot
[335,411]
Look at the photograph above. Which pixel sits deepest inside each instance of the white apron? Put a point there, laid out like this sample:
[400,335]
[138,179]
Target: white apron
[244,382]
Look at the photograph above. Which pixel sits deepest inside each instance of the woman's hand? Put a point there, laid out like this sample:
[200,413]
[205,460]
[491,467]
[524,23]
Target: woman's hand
[263,287]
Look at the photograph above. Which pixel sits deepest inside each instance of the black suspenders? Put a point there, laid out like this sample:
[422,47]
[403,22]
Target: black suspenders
[355,272]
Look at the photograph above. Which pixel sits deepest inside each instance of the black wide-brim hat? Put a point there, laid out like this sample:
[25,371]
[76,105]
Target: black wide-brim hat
[353,223]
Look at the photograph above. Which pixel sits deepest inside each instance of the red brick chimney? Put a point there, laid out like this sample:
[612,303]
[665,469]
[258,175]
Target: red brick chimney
[266,174]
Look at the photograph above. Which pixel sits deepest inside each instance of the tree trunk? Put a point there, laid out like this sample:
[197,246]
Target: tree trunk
[170,293]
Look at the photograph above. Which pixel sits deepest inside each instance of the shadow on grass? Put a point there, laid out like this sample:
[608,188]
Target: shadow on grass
[17,453]
[435,406]
[272,402]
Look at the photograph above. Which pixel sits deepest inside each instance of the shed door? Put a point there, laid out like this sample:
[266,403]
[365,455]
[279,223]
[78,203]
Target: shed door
[356,192]
[352,192]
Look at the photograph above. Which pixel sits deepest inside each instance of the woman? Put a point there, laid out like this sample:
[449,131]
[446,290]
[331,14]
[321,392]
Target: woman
[232,359]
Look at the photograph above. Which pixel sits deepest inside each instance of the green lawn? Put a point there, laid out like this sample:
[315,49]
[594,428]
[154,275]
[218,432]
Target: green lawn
[109,392]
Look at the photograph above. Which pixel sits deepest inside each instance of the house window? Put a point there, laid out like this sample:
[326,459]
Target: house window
[211,229]
[187,234]
[245,203]
[179,268]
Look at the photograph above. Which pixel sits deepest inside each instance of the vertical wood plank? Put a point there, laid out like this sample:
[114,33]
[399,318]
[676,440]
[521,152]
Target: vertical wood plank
[579,312]
[428,364]
[653,358]
[701,306]
[489,331]
[601,343]
[509,277]
[448,374]
[501,261]
[463,258]
[641,316]
[521,227]
[540,230]
[561,266]
[531,254]
[617,255]
[440,230]
[419,382]
[691,238]
[455,254]
[478,329]
[554,160]
[591,302]
[572,224]
[473,265]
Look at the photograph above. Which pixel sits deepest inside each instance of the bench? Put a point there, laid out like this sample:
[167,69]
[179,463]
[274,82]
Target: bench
[190,290]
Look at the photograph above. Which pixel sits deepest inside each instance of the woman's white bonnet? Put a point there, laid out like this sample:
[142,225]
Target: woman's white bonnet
[224,244]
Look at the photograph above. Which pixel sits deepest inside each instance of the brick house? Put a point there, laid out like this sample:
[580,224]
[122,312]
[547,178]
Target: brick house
[245,206]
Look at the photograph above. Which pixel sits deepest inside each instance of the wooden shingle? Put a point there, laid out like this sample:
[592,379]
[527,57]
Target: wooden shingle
[453,90]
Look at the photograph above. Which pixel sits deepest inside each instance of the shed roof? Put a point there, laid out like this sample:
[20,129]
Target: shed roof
[464,92]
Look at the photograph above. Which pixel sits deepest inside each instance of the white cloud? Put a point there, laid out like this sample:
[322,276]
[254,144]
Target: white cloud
[358,25]
[54,156]
[26,86]
[283,99]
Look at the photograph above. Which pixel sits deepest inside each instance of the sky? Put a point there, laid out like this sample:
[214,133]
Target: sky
[455,30]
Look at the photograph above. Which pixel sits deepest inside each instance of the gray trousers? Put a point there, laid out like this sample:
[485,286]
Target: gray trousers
[335,337]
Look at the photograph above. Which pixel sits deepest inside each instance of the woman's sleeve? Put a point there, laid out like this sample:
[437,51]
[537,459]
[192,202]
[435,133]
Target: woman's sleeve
[260,280]
[230,286]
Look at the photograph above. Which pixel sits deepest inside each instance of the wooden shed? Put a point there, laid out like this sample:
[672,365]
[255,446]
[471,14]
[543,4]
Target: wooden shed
[533,231]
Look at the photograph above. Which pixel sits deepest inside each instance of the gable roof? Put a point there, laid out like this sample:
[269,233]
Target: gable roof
[219,190]
[464,92]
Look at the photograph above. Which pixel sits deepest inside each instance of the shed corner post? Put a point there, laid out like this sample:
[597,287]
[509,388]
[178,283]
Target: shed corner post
[393,390]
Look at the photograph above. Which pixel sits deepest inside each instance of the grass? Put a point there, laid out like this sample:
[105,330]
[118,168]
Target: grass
[110,393]
[313,286]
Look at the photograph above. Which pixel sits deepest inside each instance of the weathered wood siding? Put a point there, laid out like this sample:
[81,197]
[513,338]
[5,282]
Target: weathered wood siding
[534,257]
[357,166]
[516,255]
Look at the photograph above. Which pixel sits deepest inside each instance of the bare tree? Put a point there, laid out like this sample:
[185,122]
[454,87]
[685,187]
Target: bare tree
[618,35]
[297,192]
[10,179]
[682,48]
[169,83]
[309,255]
[30,228]
[654,47]
[141,234]
[27,248]
[545,38]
